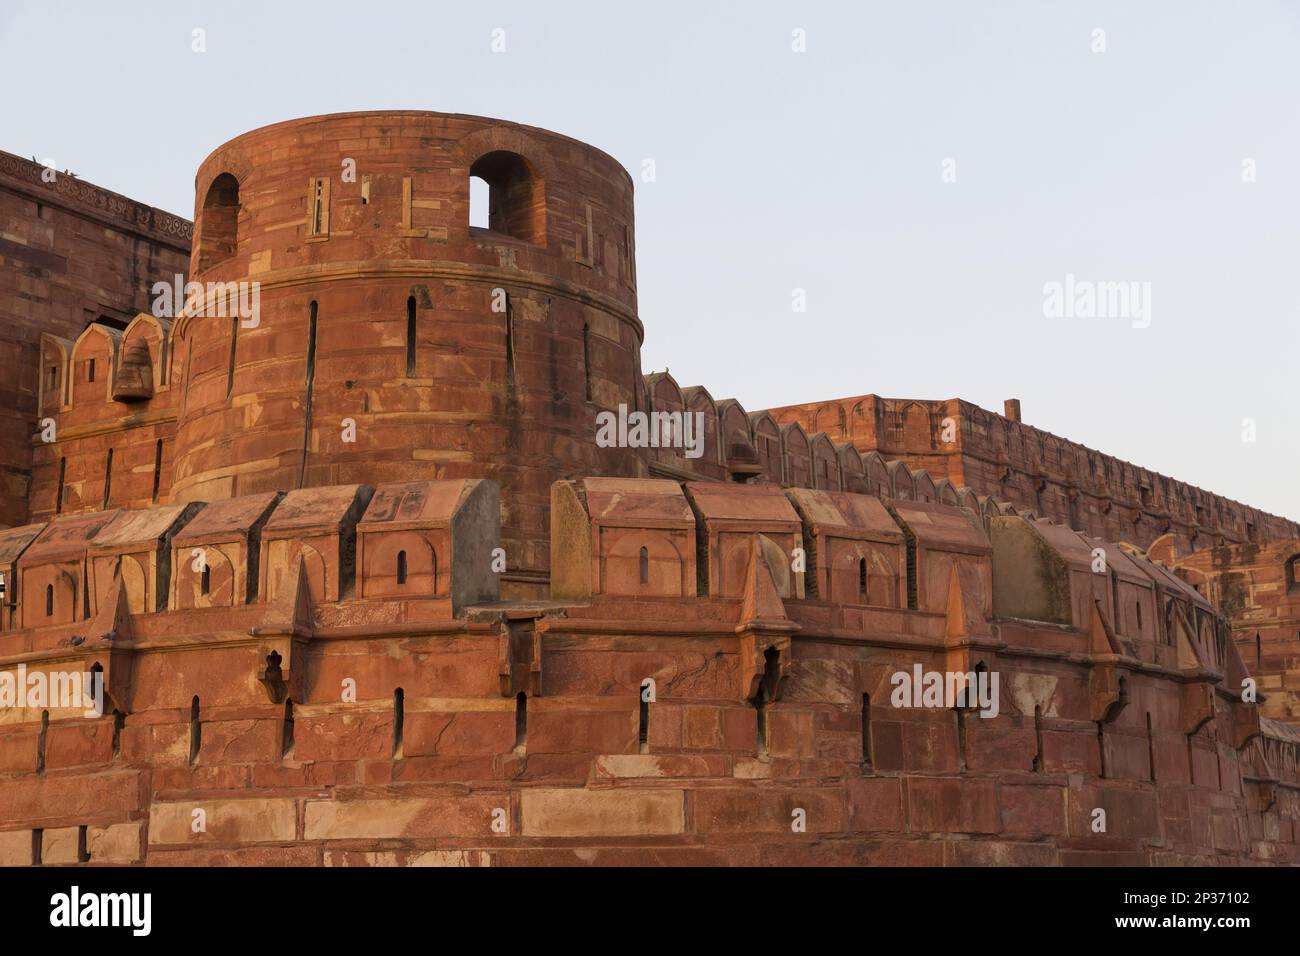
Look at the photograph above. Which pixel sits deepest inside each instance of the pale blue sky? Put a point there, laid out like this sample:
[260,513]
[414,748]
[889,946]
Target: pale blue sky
[819,170]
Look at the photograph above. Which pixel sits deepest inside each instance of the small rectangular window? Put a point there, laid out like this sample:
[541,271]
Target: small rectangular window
[318,207]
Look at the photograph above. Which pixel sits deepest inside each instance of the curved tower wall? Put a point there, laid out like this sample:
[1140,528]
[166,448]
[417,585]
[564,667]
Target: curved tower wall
[522,331]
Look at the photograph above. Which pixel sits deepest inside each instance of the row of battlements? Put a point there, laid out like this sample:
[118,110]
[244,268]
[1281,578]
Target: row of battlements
[756,446]
[350,541]
[628,538]
[1000,455]
[643,538]
[751,561]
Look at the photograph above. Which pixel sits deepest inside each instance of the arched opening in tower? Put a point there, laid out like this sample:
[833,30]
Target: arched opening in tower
[516,204]
[217,239]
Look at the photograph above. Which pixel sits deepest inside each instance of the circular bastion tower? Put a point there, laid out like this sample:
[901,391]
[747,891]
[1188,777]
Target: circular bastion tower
[393,341]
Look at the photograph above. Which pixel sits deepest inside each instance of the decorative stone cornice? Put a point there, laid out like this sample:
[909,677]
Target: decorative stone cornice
[85,198]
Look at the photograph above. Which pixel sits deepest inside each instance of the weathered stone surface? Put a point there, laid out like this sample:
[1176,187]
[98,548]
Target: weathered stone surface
[119,843]
[601,813]
[15,847]
[395,819]
[60,845]
[224,821]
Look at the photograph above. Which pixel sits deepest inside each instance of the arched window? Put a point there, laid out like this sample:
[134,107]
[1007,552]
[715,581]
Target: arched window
[1293,573]
[516,204]
[401,567]
[217,240]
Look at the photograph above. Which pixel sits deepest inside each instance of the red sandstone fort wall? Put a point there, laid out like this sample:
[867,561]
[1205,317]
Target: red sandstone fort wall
[527,735]
[72,253]
[301,635]
[1037,472]
[1258,588]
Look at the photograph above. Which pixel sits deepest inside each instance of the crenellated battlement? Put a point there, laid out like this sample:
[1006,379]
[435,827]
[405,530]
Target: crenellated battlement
[364,653]
[1037,472]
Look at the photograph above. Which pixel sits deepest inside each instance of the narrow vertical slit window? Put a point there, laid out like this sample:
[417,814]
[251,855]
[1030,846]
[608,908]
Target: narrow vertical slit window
[319,223]
[108,479]
[1101,750]
[196,731]
[1218,758]
[58,500]
[510,339]
[866,730]
[286,731]
[311,343]
[862,579]
[399,719]
[41,741]
[764,697]
[1151,750]
[961,738]
[230,365]
[1038,739]
[311,384]
[643,564]
[410,337]
[49,600]
[38,838]
[205,579]
[119,724]
[83,852]
[157,469]
[185,383]
[586,357]
[401,567]
[1191,762]
[90,371]
[521,722]
[643,714]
